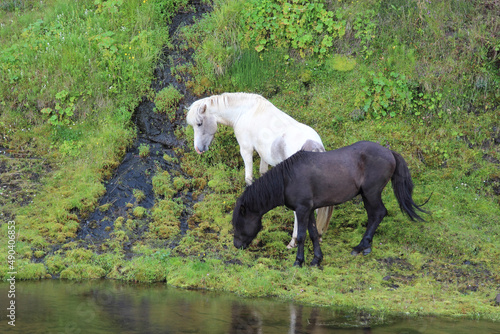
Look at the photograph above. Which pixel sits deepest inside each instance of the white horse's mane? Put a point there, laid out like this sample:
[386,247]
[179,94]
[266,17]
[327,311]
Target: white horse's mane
[224,100]
[229,99]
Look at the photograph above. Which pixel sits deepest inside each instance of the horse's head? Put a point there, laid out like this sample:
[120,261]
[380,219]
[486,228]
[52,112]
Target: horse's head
[204,126]
[246,225]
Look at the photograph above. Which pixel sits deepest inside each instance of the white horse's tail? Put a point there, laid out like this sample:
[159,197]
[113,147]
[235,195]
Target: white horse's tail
[323,219]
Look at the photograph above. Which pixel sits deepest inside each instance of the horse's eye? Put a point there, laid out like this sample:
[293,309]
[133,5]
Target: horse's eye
[199,124]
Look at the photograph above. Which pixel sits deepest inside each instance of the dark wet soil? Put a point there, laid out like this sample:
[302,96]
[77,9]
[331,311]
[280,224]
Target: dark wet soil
[156,131]
[20,179]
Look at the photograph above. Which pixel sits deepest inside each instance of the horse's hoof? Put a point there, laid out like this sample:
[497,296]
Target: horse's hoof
[315,263]
[354,252]
[297,264]
[291,245]
[367,251]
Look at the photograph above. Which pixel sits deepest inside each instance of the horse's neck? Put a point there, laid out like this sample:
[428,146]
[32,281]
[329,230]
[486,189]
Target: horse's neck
[226,117]
[268,197]
[230,114]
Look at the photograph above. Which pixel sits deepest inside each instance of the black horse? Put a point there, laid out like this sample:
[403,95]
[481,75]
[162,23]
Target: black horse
[310,180]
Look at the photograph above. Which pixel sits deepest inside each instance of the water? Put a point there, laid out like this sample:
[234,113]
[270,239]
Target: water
[55,306]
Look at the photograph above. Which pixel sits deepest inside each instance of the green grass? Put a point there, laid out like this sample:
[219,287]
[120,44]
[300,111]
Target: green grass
[419,77]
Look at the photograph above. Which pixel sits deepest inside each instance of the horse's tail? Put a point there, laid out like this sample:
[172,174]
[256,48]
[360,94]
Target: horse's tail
[323,219]
[402,185]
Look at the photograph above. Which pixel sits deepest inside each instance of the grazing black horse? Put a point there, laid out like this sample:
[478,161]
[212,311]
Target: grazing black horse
[310,180]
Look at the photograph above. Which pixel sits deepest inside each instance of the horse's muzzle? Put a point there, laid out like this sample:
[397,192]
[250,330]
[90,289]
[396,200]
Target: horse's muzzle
[198,150]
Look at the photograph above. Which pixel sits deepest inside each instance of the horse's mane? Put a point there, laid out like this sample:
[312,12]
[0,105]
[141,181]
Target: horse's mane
[268,191]
[225,100]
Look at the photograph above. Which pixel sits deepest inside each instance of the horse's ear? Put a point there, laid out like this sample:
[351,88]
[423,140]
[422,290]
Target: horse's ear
[243,210]
[202,109]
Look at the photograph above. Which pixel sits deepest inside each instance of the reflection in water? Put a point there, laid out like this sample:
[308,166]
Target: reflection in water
[55,306]
[245,320]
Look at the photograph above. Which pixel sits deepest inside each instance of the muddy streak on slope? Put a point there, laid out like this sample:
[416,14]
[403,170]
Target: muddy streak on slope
[155,131]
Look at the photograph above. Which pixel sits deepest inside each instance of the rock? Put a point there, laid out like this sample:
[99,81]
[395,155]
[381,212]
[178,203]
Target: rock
[497,300]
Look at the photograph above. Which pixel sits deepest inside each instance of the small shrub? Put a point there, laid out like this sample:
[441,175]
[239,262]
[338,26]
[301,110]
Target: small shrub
[144,150]
[386,94]
[139,212]
[303,25]
[180,183]
[139,195]
[162,185]
[167,100]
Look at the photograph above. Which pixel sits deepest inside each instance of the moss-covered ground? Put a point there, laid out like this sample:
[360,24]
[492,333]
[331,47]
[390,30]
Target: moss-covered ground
[420,77]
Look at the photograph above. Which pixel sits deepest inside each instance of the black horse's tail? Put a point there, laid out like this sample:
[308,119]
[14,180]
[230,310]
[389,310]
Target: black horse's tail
[403,189]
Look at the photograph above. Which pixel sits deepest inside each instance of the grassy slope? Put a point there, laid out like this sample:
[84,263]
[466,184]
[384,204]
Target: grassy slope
[444,266]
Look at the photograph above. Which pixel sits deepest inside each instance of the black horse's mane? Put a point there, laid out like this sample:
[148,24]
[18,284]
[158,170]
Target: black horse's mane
[269,189]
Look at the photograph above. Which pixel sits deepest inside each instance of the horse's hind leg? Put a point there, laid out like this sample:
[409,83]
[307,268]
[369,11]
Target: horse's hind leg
[264,167]
[293,242]
[376,212]
[303,216]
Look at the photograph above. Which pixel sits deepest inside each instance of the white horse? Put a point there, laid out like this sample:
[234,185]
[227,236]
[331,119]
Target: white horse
[258,125]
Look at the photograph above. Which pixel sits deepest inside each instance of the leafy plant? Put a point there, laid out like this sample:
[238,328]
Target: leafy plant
[304,25]
[144,150]
[64,109]
[167,99]
[364,25]
[427,102]
[139,195]
[385,94]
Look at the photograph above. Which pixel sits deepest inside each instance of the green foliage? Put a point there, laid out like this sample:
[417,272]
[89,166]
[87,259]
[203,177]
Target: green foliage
[166,101]
[340,63]
[64,109]
[166,214]
[113,53]
[162,185]
[15,5]
[304,25]
[428,102]
[364,27]
[139,212]
[145,269]
[70,148]
[254,72]
[144,150]
[386,94]
[394,94]
[139,195]
[75,264]
[216,39]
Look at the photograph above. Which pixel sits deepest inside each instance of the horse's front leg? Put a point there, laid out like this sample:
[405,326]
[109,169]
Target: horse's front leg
[247,155]
[303,221]
[313,234]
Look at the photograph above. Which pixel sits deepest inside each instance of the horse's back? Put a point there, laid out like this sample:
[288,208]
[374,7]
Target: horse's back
[337,176]
[275,135]
[365,155]
[364,162]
